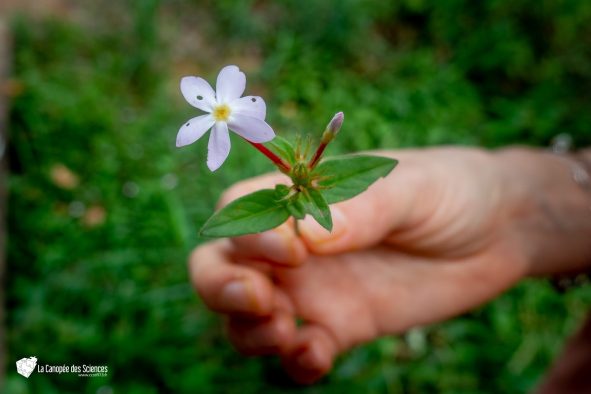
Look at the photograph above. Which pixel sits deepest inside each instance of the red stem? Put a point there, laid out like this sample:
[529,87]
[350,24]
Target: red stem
[317,155]
[283,166]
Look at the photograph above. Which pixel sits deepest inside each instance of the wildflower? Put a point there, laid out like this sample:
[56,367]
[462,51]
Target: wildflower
[226,109]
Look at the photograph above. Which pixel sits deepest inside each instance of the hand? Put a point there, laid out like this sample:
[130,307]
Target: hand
[436,238]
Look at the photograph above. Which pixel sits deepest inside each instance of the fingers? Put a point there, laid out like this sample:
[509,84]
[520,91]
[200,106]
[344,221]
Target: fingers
[357,223]
[365,220]
[312,354]
[392,203]
[227,287]
[267,181]
[307,353]
[279,245]
[273,335]
[260,319]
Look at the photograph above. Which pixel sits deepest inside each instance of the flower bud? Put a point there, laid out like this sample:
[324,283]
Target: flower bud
[333,127]
[300,175]
[329,133]
[336,122]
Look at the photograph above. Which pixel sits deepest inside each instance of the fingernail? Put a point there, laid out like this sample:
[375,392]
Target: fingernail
[318,234]
[237,295]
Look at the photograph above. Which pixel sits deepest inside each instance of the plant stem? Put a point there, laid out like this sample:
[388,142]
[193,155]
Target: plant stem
[282,165]
[317,155]
[296,227]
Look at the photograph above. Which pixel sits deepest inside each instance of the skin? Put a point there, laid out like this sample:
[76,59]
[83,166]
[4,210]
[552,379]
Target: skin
[446,231]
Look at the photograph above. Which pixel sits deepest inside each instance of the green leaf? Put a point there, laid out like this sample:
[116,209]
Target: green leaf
[292,203]
[281,191]
[315,204]
[256,212]
[295,208]
[284,148]
[344,177]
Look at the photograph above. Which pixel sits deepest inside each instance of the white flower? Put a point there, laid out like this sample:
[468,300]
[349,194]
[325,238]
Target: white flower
[226,109]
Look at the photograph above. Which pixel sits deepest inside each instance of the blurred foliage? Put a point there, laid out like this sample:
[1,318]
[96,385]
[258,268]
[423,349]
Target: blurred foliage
[104,210]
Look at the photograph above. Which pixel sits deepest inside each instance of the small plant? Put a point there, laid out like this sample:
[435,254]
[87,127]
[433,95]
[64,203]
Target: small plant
[316,182]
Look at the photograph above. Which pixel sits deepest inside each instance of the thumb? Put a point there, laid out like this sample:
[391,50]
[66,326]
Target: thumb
[361,222]
[358,223]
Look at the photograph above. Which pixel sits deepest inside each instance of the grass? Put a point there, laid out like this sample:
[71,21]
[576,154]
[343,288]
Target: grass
[104,209]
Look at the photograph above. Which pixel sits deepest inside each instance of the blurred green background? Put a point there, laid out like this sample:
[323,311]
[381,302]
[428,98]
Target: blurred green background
[104,210]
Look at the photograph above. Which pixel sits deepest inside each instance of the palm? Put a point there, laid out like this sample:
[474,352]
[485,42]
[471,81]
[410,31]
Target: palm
[455,207]
[360,295]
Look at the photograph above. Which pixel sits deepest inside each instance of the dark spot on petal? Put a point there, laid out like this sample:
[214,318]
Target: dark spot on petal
[253,99]
[188,124]
[199,97]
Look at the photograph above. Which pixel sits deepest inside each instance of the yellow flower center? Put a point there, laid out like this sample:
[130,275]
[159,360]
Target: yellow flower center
[221,113]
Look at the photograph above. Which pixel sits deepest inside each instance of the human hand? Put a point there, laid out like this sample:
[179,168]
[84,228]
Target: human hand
[437,237]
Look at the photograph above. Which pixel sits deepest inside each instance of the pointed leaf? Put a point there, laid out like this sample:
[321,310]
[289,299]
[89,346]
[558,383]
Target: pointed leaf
[296,209]
[284,149]
[256,212]
[292,203]
[344,177]
[281,191]
[315,205]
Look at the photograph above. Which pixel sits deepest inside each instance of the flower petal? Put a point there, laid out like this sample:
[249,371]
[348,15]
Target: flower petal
[193,130]
[230,84]
[251,106]
[219,146]
[198,92]
[250,128]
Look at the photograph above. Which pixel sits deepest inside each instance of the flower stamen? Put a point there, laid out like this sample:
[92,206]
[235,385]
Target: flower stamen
[221,113]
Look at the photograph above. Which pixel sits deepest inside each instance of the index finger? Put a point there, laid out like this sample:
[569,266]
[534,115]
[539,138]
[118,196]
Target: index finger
[279,245]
